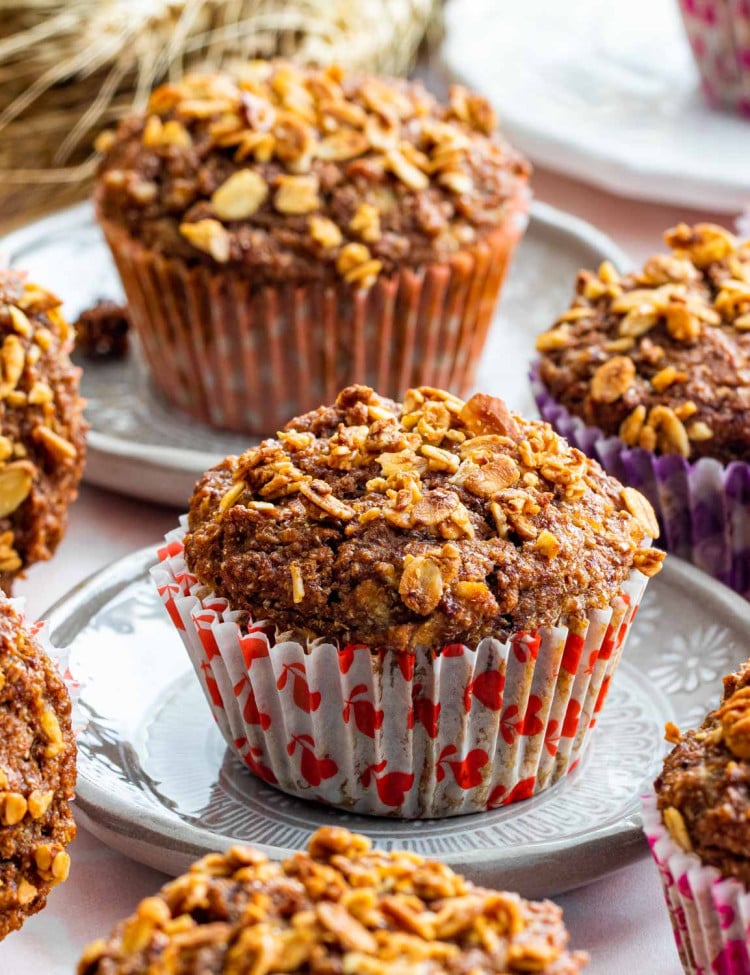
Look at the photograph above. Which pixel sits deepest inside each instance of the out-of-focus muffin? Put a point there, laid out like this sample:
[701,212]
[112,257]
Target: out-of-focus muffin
[42,429]
[442,576]
[339,907]
[37,773]
[649,372]
[698,825]
[719,35]
[284,231]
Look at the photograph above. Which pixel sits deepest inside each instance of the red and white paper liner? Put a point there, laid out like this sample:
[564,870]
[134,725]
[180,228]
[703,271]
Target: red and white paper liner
[703,506]
[245,356]
[719,35]
[710,915]
[426,735]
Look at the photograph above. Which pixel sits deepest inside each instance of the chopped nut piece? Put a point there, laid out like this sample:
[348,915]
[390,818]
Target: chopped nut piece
[630,428]
[613,379]
[547,544]
[666,377]
[325,232]
[699,431]
[14,808]
[681,324]
[675,824]
[15,485]
[296,194]
[642,510]
[499,473]
[489,414]
[421,586]
[734,715]
[210,236]
[240,196]
[672,733]
[557,338]
[56,444]
[366,223]
[298,585]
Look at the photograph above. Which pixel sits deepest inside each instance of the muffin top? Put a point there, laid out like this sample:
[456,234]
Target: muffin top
[661,357]
[340,907]
[415,525]
[308,173]
[37,773]
[42,430]
[703,792]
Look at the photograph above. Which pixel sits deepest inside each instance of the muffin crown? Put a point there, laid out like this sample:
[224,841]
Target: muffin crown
[659,357]
[416,524]
[340,906]
[308,172]
[41,424]
[703,792]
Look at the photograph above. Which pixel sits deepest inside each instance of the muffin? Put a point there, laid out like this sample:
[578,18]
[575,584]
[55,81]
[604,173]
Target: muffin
[284,231]
[719,35]
[42,430]
[37,772]
[415,609]
[698,827]
[339,907]
[650,373]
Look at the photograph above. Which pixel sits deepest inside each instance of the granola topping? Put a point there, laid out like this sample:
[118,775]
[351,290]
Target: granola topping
[245,167]
[422,523]
[340,907]
[41,424]
[637,355]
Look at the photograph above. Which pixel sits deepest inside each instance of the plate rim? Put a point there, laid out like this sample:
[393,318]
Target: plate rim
[112,818]
[104,448]
[593,164]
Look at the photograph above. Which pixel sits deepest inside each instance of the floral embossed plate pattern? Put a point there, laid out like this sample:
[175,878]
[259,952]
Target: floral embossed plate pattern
[140,446]
[156,781]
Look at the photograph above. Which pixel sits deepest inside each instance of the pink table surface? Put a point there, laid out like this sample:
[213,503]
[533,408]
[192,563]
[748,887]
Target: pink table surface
[621,919]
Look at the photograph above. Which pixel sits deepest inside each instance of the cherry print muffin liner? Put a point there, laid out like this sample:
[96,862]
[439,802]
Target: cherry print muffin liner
[703,506]
[710,915]
[719,35]
[247,357]
[425,735]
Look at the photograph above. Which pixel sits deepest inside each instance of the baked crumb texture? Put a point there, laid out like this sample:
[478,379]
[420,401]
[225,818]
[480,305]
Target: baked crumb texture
[37,773]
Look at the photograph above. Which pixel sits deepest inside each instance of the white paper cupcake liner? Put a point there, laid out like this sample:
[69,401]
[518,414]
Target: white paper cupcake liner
[426,735]
[710,915]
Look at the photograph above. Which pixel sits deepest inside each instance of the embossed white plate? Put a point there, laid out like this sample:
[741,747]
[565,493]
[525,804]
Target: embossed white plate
[605,92]
[140,446]
[156,782]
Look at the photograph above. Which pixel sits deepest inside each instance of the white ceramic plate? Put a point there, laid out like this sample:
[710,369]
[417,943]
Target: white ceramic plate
[156,782]
[605,92]
[140,446]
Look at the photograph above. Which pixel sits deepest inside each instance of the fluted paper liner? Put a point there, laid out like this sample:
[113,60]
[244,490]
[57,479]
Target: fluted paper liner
[244,356]
[425,735]
[703,506]
[710,915]
[719,34]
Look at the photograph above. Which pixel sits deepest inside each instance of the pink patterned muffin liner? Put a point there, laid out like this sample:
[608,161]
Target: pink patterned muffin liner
[703,506]
[719,35]
[710,915]
[427,735]
[244,356]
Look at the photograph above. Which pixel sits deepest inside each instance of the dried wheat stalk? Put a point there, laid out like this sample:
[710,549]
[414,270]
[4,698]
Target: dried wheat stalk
[68,68]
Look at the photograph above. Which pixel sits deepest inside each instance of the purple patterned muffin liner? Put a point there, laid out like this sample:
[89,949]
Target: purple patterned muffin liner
[710,915]
[703,506]
[719,35]
[442,732]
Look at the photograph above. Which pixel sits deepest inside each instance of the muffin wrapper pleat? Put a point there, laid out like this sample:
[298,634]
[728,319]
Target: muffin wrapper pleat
[710,915]
[425,735]
[247,356]
[719,35]
[703,506]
